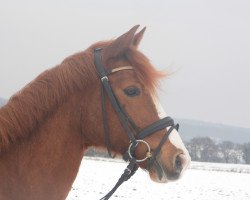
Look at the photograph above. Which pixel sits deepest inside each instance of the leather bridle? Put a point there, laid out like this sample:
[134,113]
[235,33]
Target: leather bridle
[135,134]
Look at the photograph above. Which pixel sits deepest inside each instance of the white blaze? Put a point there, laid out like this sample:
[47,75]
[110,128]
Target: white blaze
[174,136]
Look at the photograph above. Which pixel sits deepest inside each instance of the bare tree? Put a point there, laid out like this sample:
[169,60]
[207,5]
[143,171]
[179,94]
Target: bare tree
[203,149]
[230,152]
[210,150]
[246,152]
[226,149]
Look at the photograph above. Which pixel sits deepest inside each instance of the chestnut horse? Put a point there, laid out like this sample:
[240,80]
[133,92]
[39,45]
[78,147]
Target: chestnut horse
[46,127]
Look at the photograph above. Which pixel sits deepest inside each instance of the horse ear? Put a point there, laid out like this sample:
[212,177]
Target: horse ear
[138,37]
[121,44]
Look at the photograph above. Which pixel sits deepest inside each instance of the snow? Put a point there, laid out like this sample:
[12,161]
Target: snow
[202,181]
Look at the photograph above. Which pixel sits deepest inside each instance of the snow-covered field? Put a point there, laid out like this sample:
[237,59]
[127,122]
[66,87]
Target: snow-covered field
[203,181]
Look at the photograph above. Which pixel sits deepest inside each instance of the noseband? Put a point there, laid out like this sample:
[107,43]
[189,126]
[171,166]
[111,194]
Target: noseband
[135,134]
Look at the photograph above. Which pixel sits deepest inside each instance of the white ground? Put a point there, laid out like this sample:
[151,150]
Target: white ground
[203,181]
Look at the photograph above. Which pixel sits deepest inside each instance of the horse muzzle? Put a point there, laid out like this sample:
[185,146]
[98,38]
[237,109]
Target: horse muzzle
[161,173]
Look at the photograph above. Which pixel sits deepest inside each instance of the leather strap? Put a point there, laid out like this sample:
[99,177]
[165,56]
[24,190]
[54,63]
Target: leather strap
[105,81]
[156,126]
[163,140]
[128,172]
[105,124]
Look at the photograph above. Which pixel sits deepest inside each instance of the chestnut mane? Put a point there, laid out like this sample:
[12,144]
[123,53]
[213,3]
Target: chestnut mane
[28,109]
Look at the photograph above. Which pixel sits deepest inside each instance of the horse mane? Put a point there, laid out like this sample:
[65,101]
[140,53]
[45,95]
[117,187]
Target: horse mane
[27,110]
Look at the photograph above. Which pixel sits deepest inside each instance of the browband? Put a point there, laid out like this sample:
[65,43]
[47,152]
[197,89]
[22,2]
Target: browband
[117,69]
[121,68]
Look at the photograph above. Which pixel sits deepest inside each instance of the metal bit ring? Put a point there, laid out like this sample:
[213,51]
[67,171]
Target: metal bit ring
[147,154]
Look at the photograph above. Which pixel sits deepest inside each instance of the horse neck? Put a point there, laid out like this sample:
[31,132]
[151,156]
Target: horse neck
[41,144]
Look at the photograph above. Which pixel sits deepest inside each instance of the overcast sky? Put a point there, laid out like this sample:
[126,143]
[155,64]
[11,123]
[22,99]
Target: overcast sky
[206,43]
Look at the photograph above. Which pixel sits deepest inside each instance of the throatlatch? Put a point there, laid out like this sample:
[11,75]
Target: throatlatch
[129,126]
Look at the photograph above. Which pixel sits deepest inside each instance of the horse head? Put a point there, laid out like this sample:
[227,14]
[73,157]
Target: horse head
[132,81]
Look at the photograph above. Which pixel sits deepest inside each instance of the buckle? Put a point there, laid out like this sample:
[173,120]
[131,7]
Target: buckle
[104,78]
[128,170]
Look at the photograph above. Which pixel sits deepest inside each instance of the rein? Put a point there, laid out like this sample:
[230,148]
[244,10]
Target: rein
[134,133]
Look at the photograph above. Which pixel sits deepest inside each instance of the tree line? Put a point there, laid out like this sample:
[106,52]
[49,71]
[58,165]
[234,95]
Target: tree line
[205,149]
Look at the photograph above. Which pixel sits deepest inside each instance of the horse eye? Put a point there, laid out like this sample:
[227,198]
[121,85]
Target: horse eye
[132,91]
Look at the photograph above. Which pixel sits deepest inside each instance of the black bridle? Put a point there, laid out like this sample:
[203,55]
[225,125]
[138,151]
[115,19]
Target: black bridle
[135,134]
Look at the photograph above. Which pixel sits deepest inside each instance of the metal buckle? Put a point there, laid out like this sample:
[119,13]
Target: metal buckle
[104,78]
[128,170]
[148,154]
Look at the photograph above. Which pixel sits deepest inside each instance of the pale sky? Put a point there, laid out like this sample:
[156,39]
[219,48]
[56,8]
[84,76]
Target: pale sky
[206,43]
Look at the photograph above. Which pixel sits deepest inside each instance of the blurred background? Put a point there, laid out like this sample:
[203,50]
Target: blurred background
[204,44]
